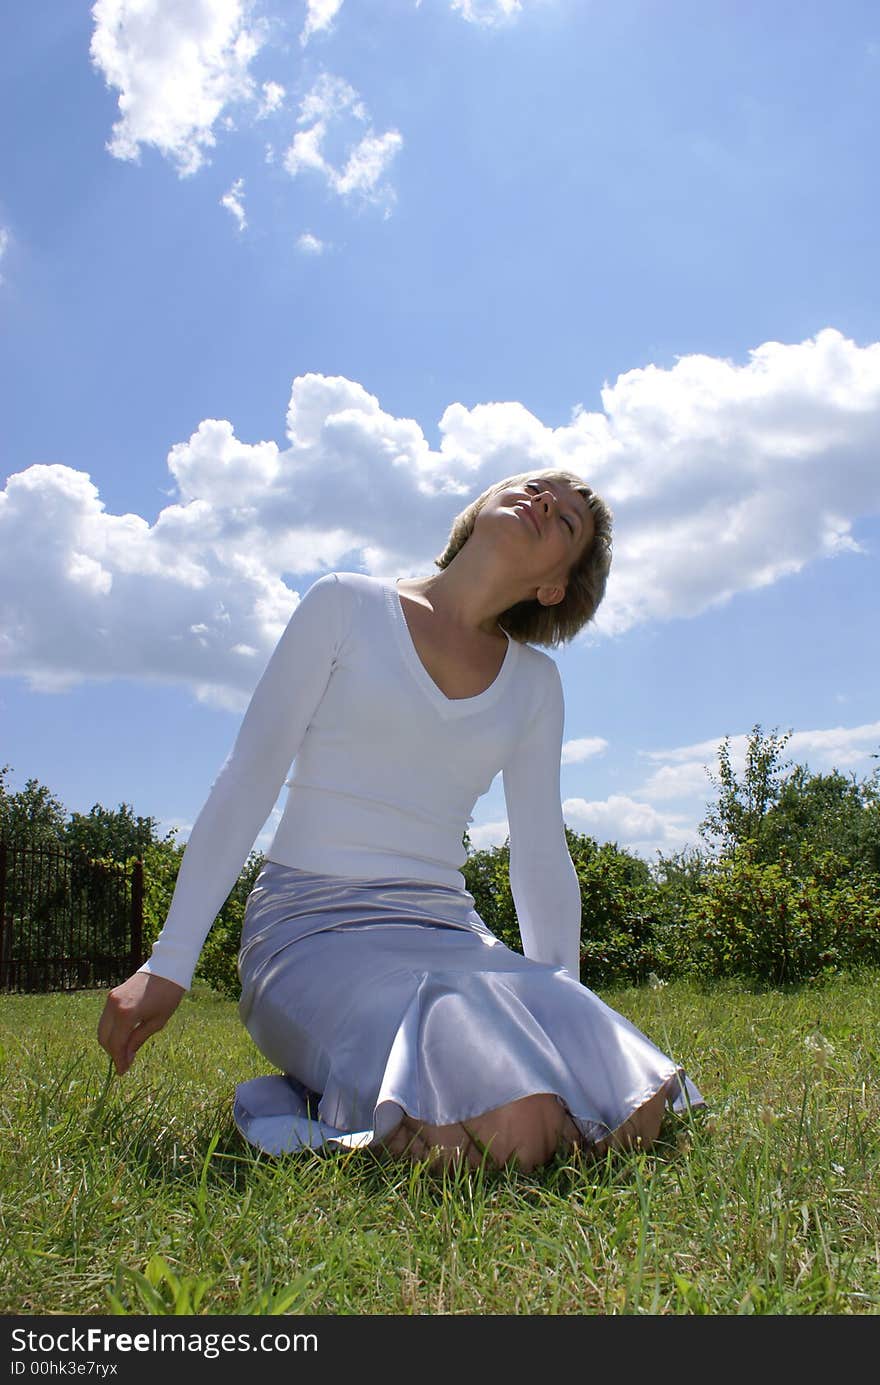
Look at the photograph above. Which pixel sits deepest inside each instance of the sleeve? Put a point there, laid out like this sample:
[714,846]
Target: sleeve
[543,880]
[250,779]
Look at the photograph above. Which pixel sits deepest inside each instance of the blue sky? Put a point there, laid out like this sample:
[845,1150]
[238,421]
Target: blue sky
[284,285]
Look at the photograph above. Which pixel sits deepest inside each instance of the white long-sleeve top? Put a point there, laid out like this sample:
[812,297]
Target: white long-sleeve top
[387,772]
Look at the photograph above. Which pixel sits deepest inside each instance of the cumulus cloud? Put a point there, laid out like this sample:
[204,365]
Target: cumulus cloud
[720,473]
[485,835]
[637,826]
[177,67]
[87,594]
[233,201]
[215,466]
[4,245]
[201,595]
[333,110]
[634,826]
[688,779]
[573,752]
[682,770]
[837,747]
[319,17]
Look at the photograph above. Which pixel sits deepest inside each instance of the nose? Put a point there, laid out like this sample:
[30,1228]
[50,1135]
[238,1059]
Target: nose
[545,498]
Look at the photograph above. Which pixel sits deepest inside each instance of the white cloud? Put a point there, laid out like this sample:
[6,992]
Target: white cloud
[682,754]
[177,67]
[4,245]
[837,747]
[574,752]
[487,12]
[179,825]
[682,770]
[273,99]
[215,466]
[233,201]
[720,473]
[319,17]
[637,826]
[634,826]
[183,829]
[333,108]
[87,594]
[367,162]
[485,835]
[309,244]
[688,780]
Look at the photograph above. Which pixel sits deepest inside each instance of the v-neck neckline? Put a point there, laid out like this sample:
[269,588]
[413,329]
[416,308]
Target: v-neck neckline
[449,706]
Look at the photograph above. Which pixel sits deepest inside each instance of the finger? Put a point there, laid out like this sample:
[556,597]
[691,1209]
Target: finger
[139,1035]
[112,1029]
[115,1040]
[105,1026]
[117,1053]
[110,1039]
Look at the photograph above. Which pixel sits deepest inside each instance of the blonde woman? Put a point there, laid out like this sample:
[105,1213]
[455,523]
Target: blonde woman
[397,1020]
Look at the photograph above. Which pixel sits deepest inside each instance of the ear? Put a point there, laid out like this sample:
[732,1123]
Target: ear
[550,596]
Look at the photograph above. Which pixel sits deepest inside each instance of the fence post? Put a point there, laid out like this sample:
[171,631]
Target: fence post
[137,914]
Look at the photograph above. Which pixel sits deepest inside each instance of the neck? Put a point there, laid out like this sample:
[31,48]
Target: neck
[474,590]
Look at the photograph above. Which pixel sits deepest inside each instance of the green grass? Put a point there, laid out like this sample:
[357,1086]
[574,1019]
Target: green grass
[137,1195]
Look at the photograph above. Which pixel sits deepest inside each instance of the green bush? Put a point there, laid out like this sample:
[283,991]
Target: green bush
[161,864]
[217,964]
[624,924]
[803,916]
[218,961]
[624,928]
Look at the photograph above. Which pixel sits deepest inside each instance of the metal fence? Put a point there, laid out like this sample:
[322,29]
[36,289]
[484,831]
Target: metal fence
[67,922]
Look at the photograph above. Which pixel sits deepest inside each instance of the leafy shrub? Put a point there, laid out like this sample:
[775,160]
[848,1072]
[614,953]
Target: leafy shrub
[218,960]
[217,964]
[161,864]
[804,916]
[624,928]
[623,924]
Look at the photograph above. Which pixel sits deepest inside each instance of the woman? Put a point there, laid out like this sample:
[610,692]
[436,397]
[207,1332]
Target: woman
[396,1017]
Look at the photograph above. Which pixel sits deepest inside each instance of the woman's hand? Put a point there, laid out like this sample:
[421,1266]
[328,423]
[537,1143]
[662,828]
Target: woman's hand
[138,1008]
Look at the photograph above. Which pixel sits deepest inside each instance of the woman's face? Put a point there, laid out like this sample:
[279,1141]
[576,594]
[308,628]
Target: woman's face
[555,521]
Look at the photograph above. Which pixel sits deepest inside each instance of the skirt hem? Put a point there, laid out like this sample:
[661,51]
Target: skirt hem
[296,1128]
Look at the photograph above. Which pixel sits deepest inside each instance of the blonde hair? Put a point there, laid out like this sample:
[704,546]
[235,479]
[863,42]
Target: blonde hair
[529,622]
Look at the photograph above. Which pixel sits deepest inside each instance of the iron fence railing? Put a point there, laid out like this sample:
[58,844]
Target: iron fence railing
[67,922]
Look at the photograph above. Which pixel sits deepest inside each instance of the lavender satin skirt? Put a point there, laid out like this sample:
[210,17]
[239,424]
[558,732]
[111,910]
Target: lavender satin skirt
[380,996]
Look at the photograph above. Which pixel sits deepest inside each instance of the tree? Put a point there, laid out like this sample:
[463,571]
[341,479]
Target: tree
[31,817]
[824,810]
[114,833]
[740,812]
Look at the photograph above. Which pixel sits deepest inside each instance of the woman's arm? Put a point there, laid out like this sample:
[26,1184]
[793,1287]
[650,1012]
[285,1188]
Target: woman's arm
[247,785]
[543,880]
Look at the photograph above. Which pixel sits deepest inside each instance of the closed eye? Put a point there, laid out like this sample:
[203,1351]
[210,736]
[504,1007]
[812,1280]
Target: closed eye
[564,518]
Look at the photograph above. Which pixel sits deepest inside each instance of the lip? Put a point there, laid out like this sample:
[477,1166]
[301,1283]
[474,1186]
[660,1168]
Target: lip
[530,514]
